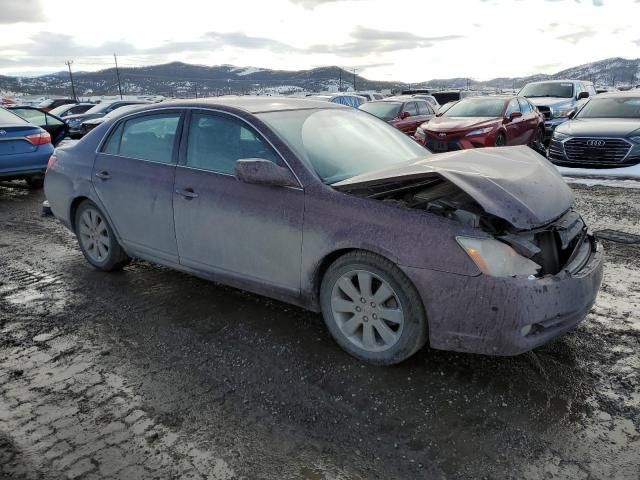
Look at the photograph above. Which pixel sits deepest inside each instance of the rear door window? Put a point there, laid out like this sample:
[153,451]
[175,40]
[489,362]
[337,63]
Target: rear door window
[525,107]
[424,108]
[150,137]
[411,108]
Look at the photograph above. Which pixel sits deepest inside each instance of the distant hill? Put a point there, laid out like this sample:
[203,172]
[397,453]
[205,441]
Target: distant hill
[183,79]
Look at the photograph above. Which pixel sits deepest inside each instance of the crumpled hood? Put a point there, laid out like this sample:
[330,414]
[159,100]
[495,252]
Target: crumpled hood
[447,124]
[512,183]
[550,101]
[601,127]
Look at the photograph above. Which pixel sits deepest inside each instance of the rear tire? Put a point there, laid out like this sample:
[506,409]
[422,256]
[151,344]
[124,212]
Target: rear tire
[36,182]
[97,241]
[501,140]
[372,309]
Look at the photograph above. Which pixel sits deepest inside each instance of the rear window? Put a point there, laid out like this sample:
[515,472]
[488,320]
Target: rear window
[6,117]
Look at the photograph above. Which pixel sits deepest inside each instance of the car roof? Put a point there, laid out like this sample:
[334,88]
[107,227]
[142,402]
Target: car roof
[562,81]
[253,104]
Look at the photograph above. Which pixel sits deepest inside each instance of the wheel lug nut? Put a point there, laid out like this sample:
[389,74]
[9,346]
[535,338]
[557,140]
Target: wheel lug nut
[358,309]
[363,300]
[366,319]
[373,305]
[374,316]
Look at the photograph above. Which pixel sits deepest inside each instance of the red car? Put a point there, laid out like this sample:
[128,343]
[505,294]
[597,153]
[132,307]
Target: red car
[406,114]
[492,121]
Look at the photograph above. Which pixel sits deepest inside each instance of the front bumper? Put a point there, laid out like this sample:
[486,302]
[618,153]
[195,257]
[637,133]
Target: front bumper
[486,315]
[457,141]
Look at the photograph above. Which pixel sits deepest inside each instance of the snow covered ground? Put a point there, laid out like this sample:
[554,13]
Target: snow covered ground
[628,177]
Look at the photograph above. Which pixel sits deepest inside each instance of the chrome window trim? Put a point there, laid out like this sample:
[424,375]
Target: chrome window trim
[209,109]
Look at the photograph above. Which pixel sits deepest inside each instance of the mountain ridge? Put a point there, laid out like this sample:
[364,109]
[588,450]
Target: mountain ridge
[184,79]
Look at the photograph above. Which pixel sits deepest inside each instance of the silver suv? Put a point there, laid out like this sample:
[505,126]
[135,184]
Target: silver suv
[557,99]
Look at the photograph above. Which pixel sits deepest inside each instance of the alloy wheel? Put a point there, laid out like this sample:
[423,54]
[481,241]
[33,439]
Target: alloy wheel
[94,235]
[367,310]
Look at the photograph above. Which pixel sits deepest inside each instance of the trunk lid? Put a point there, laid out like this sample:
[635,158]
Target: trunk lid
[513,183]
[12,141]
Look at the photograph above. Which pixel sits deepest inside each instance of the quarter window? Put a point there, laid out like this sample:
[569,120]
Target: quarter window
[150,137]
[216,143]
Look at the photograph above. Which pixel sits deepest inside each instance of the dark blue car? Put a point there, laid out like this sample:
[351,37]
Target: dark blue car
[24,150]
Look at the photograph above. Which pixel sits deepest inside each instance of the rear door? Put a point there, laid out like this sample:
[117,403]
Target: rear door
[245,231]
[133,175]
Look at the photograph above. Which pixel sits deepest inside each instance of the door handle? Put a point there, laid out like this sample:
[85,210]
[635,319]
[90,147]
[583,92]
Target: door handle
[103,175]
[187,193]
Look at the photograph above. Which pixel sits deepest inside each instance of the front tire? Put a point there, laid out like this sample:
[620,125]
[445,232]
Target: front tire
[501,140]
[372,309]
[97,240]
[537,142]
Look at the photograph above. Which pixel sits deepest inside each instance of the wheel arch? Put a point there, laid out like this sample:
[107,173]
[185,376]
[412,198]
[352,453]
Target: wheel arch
[73,208]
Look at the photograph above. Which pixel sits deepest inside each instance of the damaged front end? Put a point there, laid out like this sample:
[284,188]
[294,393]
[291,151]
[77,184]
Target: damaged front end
[527,213]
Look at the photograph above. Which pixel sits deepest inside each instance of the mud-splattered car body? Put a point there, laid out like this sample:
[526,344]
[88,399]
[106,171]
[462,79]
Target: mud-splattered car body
[279,241]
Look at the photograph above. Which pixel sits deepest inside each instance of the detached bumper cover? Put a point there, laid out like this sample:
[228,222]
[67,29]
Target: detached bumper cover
[487,315]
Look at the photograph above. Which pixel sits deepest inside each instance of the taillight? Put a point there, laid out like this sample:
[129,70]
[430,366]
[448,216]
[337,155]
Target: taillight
[52,161]
[39,138]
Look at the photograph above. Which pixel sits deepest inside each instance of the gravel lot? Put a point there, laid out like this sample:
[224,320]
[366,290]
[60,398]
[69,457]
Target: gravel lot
[149,373]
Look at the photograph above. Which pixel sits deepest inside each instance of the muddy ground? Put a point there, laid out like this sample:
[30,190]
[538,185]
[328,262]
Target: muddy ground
[149,373]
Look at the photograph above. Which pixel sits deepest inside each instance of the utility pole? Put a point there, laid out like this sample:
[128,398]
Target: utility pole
[68,63]
[340,75]
[354,79]
[115,58]
[195,86]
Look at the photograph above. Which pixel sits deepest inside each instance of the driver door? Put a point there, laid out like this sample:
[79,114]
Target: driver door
[224,226]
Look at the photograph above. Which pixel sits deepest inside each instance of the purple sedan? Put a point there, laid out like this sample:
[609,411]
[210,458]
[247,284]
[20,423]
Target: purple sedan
[332,209]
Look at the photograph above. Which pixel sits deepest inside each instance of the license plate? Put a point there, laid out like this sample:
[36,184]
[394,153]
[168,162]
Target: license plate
[441,146]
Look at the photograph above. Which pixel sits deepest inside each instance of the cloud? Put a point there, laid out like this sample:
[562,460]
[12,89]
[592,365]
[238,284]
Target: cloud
[311,4]
[576,37]
[14,11]
[368,40]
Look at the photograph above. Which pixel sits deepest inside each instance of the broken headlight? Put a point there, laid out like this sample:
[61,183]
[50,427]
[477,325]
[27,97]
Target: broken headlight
[496,258]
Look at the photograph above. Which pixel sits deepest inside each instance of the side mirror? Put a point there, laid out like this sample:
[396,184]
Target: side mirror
[264,172]
[404,115]
[514,115]
[582,95]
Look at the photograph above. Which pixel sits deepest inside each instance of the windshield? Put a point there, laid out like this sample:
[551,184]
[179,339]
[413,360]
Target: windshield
[551,89]
[476,107]
[61,109]
[339,144]
[627,107]
[383,110]
[101,107]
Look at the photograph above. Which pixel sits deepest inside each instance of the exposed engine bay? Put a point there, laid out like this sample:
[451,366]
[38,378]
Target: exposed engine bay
[554,246]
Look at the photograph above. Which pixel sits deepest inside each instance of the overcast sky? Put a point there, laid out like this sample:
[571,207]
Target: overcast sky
[385,39]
